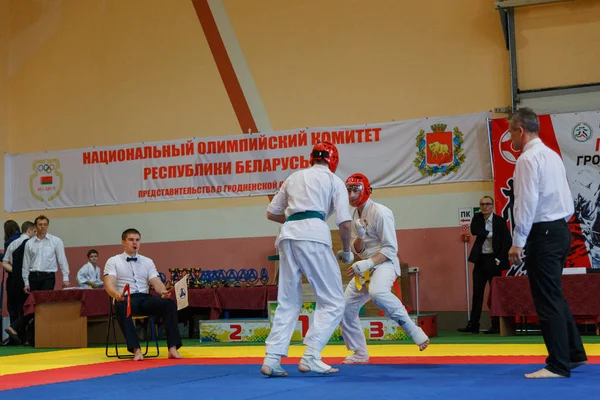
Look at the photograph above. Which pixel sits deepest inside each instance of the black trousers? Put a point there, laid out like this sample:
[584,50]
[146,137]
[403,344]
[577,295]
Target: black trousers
[37,281]
[546,252]
[15,299]
[42,280]
[11,299]
[145,304]
[484,271]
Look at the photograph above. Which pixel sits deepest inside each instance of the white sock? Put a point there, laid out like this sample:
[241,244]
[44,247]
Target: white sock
[312,352]
[272,358]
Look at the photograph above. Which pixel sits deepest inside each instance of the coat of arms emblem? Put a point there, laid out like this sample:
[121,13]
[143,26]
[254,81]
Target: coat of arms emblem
[439,151]
[46,182]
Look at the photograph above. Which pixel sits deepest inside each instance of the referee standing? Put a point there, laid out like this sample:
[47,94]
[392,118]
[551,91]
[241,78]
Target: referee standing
[543,205]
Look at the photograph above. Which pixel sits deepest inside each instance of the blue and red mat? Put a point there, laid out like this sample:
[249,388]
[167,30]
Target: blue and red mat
[443,371]
[243,381]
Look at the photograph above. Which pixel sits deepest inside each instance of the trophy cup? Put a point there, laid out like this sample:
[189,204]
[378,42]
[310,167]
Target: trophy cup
[196,277]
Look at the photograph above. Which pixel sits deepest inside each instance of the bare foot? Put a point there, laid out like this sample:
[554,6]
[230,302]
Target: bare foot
[137,355]
[543,373]
[423,345]
[173,353]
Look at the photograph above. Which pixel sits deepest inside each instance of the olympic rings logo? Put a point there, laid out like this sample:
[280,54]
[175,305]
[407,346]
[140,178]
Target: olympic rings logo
[46,167]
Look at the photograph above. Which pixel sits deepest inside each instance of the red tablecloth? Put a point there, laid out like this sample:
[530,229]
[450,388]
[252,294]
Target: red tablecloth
[511,296]
[250,298]
[95,302]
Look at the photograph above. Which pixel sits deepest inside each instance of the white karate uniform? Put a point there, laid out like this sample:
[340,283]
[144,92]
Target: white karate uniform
[305,249]
[88,273]
[380,238]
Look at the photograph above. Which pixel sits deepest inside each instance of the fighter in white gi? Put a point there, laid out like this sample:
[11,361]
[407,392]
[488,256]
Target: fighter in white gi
[374,241]
[304,202]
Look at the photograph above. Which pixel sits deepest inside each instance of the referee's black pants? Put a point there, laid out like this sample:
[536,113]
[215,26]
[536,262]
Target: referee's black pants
[546,252]
[145,304]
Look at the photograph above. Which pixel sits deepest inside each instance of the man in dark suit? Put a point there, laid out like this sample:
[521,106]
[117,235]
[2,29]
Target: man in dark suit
[490,256]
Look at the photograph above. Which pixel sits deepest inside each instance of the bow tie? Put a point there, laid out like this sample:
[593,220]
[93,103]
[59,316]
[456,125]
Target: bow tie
[131,259]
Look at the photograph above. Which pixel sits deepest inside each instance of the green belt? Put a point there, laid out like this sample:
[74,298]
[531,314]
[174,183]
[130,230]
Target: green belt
[305,215]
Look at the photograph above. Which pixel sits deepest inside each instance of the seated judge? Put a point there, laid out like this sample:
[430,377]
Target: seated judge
[133,269]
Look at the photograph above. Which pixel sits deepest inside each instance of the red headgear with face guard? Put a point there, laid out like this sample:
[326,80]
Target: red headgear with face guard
[325,151]
[361,183]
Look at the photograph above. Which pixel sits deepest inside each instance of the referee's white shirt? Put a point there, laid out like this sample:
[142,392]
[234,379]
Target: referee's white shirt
[135,273]
[542,193]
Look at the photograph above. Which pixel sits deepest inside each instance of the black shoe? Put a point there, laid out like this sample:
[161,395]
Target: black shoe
[470,328]
[492,330]
[14,338]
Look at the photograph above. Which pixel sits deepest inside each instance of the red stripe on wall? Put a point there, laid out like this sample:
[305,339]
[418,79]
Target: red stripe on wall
[230,79]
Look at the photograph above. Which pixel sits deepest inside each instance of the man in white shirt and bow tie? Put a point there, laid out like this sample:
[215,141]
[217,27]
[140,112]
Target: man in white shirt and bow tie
[137,271]
[543,205]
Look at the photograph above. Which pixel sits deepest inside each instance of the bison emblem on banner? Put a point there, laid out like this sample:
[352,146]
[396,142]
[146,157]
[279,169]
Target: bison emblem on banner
[439,151]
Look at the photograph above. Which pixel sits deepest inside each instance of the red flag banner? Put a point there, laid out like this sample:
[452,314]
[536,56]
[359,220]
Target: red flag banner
[576,138]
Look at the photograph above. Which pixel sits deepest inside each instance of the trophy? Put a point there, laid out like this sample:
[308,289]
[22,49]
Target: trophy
[206,278]
[180,274]
[252,276]
[264,276]
[231,278]
[163,277]
[184,272]
[191,277]
[222,277]
[212,278]
[197,282]
[174,275]
[243,277]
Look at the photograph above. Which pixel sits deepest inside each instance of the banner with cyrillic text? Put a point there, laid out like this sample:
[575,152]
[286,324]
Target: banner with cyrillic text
[575,137]
[415,152]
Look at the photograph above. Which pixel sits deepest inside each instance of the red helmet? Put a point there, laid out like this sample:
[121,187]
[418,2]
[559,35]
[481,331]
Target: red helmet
[325,151]
[361,183]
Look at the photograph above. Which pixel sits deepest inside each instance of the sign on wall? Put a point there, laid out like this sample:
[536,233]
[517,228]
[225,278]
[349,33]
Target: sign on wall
[415,152]
[576,138]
